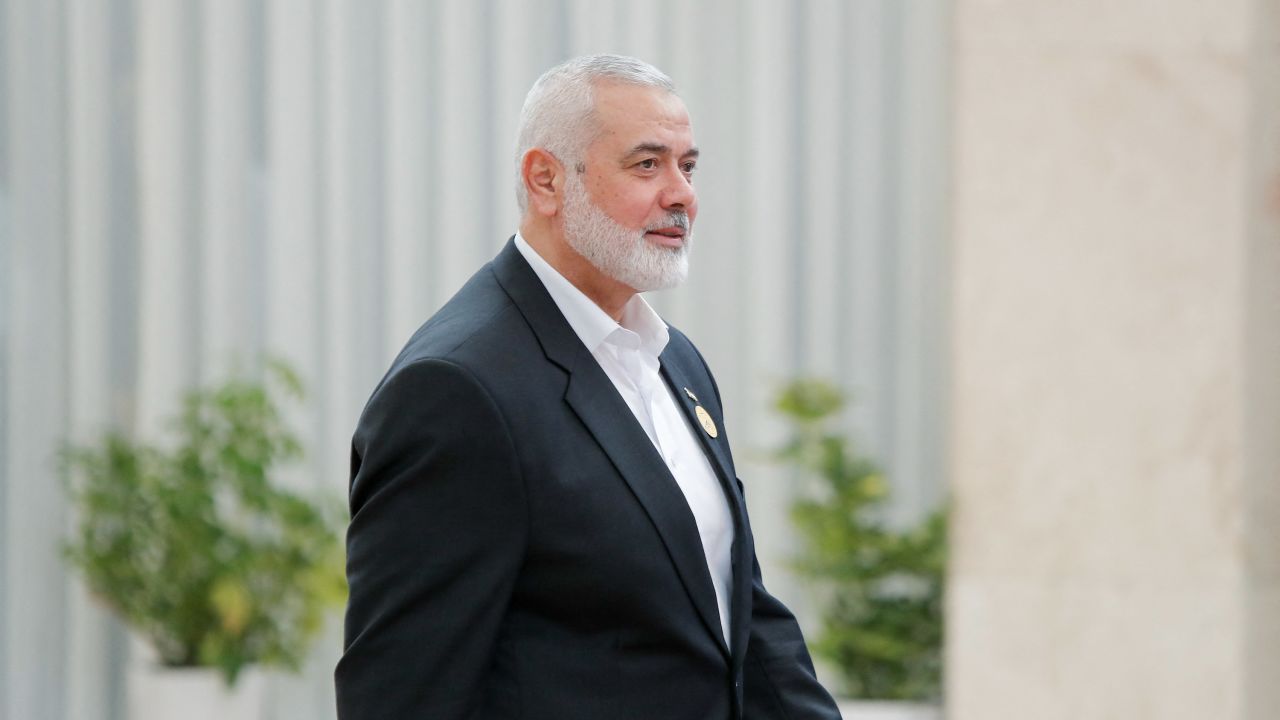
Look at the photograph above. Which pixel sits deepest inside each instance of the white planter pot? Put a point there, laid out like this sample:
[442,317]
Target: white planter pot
[888,710]
[163,693]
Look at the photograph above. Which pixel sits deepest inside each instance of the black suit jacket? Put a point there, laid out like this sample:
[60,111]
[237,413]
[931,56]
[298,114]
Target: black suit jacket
[519,549]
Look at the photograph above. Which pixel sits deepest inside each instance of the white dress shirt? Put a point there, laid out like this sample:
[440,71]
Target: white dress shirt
[628,354]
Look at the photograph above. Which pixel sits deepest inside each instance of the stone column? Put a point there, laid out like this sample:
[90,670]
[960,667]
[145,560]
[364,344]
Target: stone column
[1115,409]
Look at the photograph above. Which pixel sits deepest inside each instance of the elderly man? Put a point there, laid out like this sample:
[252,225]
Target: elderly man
[546,522]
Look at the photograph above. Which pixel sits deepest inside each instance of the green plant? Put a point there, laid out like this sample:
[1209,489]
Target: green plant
[880,588]
[194,546]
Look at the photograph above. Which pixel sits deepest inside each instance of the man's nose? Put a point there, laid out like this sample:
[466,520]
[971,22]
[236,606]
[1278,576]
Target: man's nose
[679,193]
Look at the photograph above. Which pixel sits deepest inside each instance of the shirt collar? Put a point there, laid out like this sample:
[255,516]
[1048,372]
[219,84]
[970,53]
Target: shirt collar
[591,324]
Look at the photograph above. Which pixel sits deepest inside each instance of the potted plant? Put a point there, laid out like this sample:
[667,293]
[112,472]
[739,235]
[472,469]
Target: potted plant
[217,567]
[880,588]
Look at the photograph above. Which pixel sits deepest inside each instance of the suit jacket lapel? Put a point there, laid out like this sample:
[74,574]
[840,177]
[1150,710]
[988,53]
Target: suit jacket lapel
[679,380]
[594,399]
[678,371]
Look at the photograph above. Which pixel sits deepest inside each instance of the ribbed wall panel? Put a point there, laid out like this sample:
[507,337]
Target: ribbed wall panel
[189,183]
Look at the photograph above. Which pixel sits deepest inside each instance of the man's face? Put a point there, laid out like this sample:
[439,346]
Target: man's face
[630,214]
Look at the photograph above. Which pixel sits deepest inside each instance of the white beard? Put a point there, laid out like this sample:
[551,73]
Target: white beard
[619,251]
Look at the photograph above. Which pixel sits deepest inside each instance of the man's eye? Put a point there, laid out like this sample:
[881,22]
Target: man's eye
[689,167]
[648,164]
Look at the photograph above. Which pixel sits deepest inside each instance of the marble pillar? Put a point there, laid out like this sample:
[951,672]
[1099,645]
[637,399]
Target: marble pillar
[1115,333]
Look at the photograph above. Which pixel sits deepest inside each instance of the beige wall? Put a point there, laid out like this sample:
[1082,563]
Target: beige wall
[1116,368]
[1262,408]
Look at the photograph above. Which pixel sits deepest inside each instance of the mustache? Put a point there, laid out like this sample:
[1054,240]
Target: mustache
[676,218]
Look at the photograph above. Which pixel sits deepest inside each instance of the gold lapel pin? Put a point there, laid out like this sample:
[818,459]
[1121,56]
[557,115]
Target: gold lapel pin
[708,424]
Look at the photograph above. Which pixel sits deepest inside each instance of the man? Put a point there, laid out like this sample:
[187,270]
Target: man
[546,522]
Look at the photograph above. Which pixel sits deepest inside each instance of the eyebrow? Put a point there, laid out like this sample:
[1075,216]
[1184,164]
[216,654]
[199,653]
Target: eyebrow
[660,149]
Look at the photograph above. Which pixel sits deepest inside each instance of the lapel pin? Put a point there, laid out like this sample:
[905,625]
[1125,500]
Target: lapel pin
[708,424]
[692,397]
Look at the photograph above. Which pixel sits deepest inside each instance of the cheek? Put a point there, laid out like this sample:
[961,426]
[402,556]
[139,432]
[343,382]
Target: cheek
[624,204]
[638,210]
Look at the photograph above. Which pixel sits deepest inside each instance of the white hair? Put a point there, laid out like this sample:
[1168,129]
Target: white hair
[558,112]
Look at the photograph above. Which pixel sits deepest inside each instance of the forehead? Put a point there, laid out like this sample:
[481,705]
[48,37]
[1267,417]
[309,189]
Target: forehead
[628,115]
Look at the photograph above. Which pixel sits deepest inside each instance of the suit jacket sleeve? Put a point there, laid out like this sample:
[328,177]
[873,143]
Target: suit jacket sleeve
[779,680]
[436,537]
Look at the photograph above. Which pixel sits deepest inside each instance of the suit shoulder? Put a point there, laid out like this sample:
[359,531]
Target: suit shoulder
[678,339]
[679,345]
[480,313]
[477,325]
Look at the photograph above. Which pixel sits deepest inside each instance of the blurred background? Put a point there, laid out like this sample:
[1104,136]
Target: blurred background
[1035,244]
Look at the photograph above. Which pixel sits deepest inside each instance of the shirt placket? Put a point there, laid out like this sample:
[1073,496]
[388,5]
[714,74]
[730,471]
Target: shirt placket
[632,366]
[651,390]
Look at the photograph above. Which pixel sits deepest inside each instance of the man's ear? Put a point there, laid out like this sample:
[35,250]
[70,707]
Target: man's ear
[543,176]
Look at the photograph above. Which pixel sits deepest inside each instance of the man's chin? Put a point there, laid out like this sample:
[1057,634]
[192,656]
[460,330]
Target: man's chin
[670,278]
